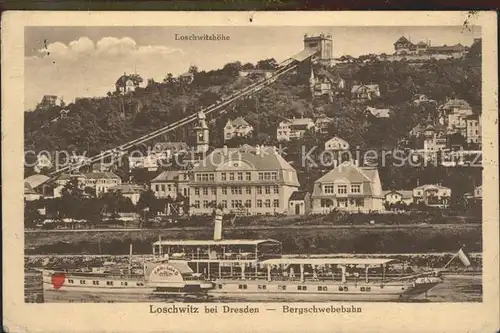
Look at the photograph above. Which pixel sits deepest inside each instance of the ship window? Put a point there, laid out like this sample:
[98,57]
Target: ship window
[368,288]
[220,286]
[340,288]
[346,289]
[140,284]
[109,283]
[70,281]
[362,288]
[124,283]
[242,286]
[95,283]
[281,287]
[82,281]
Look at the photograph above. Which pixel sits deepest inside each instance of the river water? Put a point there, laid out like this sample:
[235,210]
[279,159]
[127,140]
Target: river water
[455,288]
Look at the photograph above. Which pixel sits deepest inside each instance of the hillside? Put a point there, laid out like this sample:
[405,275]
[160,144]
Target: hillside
[95,124]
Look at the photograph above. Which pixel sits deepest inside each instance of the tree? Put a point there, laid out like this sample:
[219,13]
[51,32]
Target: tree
[147,206]
[268,64]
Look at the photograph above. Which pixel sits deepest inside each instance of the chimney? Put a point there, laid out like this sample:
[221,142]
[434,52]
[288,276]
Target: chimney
[218,225]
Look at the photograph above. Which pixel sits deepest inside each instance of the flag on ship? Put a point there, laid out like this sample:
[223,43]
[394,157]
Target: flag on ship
[463,257]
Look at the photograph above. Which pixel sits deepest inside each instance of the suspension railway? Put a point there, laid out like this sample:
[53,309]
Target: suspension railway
[214,110]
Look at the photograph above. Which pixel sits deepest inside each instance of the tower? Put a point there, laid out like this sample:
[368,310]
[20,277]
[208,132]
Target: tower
[322,43]
[201,130]
[312,80]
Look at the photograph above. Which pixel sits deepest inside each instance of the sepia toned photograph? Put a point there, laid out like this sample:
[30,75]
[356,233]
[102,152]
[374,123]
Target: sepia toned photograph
[238,169]
[192,166]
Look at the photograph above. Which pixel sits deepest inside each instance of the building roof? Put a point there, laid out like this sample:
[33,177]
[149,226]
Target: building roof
[329,261]
[122,80]
[456,103]
[102,175]
[304,54]
[421,44]
[167,176]
[28,189]
[334,78]
[339,139]
[214,242]
[379,113]
[238,122]
[36,180]
[372,87]
[67,176]
[261,159]
[427,186]
[175,146]
[298,121]
[402,39]
[127,188]
[348,171]
[298,195]
[405,194]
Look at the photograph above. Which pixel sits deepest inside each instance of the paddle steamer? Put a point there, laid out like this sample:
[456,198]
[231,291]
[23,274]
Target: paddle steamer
[245,269]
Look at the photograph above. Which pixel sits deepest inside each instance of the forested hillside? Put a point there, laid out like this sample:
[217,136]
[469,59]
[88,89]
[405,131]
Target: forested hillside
[92,125]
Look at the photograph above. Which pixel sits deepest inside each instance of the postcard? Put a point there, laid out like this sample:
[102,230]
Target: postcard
[295,171]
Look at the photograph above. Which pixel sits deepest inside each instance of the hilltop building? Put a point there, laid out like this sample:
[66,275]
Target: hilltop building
[294,128]
[324,83]
[364,92]
[393,197]
[403,46]
[336,143]
[247,180]
[348,187]
[322,123]
[128,83]
[377,113]
[237,128]
[322,43]
[131,191]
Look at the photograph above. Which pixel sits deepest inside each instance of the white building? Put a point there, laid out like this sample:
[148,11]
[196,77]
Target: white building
[336,143]
[294,128]
[348,187]
[237,128]
[432,195]
[131,191]
[397,196]
[243,180]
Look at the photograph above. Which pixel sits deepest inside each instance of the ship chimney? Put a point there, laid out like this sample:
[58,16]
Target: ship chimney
[218,225]
[225,150]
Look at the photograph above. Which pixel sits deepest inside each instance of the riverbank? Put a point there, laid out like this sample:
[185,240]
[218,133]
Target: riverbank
[310,239]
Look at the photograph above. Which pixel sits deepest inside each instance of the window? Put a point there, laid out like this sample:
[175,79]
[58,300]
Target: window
[139,284]
[355,188]
[214,191]
[95,283]
[248,190]
[170,188]
[263,287]
[259,189]
[223,176]
[240,176]
[248,203]
[268,189]
[124,283]
[242,286]
[276,189]
[82,281]
[109,283]
[211,177]
[248,176]
[224,190]
[274,176]
[224,203]
[239,203]
[205,191]
[281,287]
[196,191]
[197,204]
[205,204]
[268,203]
[341,189]
[303,288]
[157,188]
[231,176]
[328,189]
[259,203]
[276,203]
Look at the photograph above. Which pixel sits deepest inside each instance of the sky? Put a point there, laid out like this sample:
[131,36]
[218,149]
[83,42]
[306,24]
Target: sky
[86,61]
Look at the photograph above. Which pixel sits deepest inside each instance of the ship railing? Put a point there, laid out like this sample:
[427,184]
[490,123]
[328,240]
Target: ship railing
[221,256]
